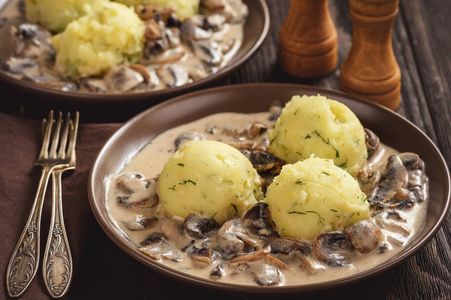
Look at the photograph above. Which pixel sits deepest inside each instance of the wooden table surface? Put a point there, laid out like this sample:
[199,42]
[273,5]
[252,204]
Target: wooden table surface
[422,45]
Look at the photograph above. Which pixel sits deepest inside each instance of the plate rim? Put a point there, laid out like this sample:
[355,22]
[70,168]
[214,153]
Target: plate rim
[385,266]
[148,96]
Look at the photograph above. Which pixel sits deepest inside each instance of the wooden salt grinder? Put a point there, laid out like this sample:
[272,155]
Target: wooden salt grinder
[370,70]
[308,40]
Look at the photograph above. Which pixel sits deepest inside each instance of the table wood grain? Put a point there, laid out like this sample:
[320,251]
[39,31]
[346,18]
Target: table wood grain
[422,46]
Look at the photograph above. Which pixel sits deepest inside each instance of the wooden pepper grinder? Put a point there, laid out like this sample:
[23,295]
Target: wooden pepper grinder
[308,39]
[370,70]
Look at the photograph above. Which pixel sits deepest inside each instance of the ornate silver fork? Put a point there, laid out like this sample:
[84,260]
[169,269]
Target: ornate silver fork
[57,262]
[24,260]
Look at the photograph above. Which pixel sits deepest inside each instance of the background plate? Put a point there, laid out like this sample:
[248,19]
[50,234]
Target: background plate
[393,130]
[255,30]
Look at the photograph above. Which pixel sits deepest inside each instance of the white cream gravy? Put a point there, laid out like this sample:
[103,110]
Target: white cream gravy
[151,159]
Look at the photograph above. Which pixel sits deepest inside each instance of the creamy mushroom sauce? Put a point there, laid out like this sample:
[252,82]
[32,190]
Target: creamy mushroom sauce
[399,222]
[175,53]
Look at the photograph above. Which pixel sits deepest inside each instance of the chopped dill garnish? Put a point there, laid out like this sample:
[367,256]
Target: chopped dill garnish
[180,164]
[274,138]
[236,209]
[333,210]
[172,188]
[187,181]
[325,173]
[337,153]
[299,182]
[343,165]
[213,216]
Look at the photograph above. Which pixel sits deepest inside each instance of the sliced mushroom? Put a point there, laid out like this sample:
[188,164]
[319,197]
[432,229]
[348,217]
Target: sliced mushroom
[289,245]
[198,227]
[167,57]
[137,192]
[173,36]
[173,75]
[264,162]
[213,5]
[393,178]
[364,235]
[32,41]
[251,256]
[155,238]
[145,73]
[393,226]
[145,12]
[368,182]
[141,223]
[93,84]
[267,275]
[155,47]
[372,142]
[25,67]
[186,137]
[232,239]
[202,256]
[307,263]
[417,178]
[173,21]
[234,11]
[243,145]
[333,249]
[153,30]
[208,52]
[257,221]
[411,161]
[191,30]
[217,272]
[394,215]
[156,246]
[122,79]
[213,22]
[198,72]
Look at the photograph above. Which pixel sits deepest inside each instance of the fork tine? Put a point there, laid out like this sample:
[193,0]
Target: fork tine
[56,136]
[63,140]
[47,126]
[73,137]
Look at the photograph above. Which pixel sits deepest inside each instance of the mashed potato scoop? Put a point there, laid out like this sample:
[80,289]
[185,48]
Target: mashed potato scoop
[96,42]
[211,178]
[182,8]
[55,15]
[320,126]
[315,196]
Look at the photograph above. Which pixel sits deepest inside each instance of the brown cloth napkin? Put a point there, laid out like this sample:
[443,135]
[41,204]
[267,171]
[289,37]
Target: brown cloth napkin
[20,142]
[101,269]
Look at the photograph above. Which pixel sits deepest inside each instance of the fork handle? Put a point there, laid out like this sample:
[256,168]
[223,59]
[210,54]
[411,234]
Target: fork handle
[24,261]
[57,263]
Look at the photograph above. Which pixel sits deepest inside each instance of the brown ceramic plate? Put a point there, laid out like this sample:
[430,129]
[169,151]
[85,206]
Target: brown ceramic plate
[255,30]
[392,129]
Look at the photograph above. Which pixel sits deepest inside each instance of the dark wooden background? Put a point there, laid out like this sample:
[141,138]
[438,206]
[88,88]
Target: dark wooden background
[422,45]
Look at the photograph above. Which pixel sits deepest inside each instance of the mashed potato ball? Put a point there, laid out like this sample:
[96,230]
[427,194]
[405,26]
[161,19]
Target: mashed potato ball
[315,196]
[211,178]
[320,126]
[55,15]
[96,42]
[182,8]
